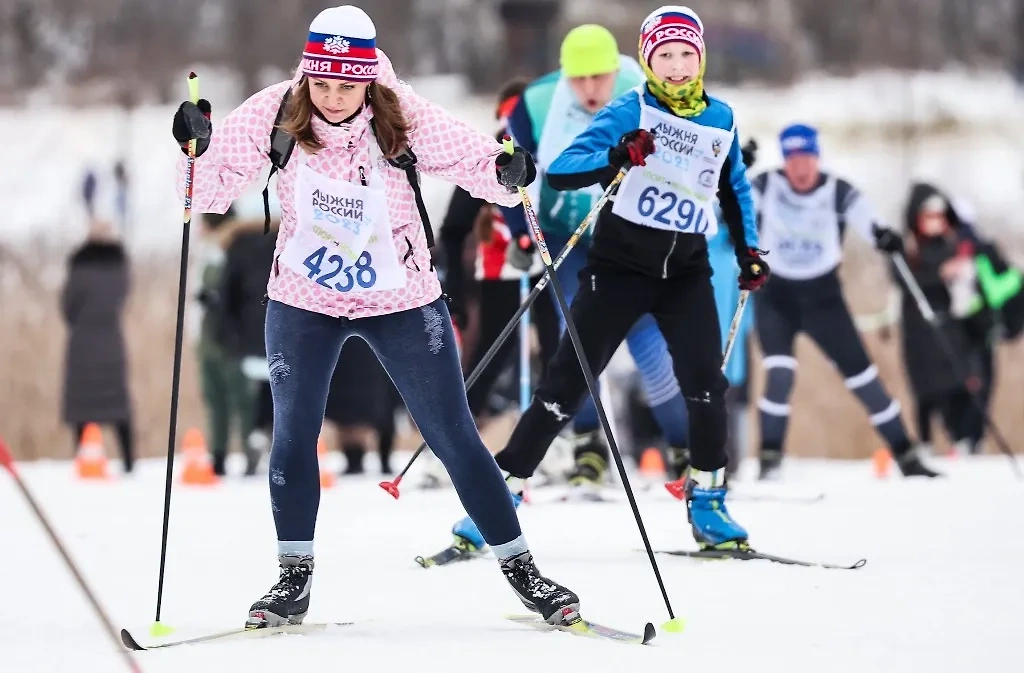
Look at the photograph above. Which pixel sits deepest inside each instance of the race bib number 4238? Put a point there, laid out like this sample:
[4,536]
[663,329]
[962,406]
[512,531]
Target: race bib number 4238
[360,273]
[668,208]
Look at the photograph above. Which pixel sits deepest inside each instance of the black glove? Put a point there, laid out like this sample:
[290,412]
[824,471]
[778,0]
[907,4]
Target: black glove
[519,254]
[749,152]
[634,147]
[192,122]
[516,169]
[754,271]
[887,240]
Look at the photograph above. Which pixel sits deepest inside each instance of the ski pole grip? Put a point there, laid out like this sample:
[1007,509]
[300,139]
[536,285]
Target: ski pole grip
[506,142]
[193,87]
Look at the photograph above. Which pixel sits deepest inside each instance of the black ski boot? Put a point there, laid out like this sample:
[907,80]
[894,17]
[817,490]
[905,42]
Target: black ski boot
[771,464]
[910,464]
[555,603]
[287,602]
[354,454]
[678,461]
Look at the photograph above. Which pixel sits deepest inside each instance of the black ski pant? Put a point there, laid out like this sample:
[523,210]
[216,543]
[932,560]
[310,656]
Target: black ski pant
[609,302]
[784,309]
[956,407]
[499,300]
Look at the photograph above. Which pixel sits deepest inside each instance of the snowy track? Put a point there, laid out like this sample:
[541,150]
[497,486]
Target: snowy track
[942,589]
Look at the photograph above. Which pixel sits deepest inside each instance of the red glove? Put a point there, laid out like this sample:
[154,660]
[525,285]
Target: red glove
[634,147]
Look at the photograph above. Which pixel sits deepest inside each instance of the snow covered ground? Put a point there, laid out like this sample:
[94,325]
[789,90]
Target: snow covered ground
[942,589]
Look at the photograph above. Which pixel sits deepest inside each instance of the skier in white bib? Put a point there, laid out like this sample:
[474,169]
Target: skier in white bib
[803,213]
[353,260]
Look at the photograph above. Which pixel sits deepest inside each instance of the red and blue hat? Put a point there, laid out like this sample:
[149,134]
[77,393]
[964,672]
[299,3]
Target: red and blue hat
[342,44]
[671,23]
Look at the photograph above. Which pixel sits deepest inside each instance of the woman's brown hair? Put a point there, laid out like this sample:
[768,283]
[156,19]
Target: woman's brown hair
[389,122]
[483,225]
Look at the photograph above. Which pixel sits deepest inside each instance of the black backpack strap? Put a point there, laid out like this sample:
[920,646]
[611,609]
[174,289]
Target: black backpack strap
[406,161]
[281,146]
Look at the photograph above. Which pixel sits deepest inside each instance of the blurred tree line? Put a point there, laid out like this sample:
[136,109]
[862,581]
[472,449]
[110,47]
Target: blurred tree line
[137,47]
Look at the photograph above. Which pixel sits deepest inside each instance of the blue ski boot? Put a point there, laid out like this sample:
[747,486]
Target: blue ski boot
[712,526]
[467,535]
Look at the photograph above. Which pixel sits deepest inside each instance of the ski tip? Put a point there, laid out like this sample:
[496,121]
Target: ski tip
[129,642]
[674,625]
[859,564]
[650,633]
[424,563]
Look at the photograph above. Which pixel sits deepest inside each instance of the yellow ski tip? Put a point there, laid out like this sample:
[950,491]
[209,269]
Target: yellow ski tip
[674,625]
[160,630]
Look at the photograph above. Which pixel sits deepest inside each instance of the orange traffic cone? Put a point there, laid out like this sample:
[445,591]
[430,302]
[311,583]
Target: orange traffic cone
[91,459]
[882,462]
[326,476]
[198,469]
[652,464]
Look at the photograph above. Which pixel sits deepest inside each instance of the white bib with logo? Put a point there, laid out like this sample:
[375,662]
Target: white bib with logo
[677,188]
[801,230]
[342,238]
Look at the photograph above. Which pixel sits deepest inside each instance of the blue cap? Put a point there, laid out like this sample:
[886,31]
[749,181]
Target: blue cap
[799,138]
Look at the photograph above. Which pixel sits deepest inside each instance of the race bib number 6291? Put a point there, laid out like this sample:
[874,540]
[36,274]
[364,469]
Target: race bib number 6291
[670,209]
[365,276]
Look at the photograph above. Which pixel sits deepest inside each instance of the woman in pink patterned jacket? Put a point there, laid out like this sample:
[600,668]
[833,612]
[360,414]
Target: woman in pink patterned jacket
[352,260]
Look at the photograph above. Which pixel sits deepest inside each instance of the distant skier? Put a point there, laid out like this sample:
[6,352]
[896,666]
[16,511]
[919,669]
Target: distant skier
[803,215]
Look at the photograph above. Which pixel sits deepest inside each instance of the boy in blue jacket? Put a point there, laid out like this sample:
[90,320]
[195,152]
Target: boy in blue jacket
[551,113]
[650,255]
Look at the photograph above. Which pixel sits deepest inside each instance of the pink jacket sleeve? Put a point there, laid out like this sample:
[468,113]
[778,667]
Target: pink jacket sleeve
[446,147]
[237,152]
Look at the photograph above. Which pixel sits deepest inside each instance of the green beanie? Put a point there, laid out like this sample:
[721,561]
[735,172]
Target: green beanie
[589,49]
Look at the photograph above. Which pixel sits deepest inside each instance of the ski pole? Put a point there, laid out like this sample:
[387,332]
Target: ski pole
[524,345]
[678,487]
[960,371]
[673,624]
[392,486]
[7,460]
[734,326]
[158,629]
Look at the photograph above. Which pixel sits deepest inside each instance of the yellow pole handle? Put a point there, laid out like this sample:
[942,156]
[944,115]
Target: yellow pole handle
[193,87]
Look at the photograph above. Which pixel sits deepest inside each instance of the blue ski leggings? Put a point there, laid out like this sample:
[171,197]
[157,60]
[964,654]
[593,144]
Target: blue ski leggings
[649,351]
[417,348]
